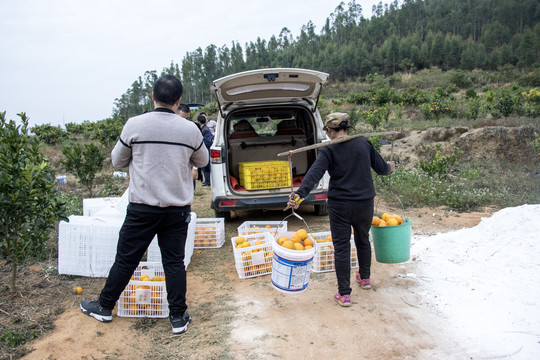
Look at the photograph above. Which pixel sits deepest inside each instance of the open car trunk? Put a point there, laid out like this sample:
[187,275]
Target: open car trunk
[259,134]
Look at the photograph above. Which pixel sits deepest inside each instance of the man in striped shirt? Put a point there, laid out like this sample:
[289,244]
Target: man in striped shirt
[160,148]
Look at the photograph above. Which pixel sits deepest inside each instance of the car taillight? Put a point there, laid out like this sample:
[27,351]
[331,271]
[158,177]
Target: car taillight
[215,155]
[227,203]
[321,196]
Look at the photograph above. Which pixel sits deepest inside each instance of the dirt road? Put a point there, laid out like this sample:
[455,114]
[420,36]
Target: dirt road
[248,319]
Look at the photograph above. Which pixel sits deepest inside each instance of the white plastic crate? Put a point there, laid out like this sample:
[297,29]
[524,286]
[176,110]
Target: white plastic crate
[323,261]
[87,245]
[145,298]
[105,231]
[108,206]
[256,227]
[93,205]
[209,233]
[254,260]
[74,246]
[154,254]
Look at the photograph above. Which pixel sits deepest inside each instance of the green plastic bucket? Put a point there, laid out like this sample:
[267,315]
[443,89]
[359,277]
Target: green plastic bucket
[392,243]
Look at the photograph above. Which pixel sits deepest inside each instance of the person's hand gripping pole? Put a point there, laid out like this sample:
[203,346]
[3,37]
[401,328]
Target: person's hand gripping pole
[294,202]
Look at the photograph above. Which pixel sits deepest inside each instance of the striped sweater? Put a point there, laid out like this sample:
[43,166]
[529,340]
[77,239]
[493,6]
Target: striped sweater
[160,147]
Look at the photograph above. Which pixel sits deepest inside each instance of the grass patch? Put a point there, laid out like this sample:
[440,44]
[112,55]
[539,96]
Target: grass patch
[469,187]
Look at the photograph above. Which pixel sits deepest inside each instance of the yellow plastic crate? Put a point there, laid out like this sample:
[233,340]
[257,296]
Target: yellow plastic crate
[257,175]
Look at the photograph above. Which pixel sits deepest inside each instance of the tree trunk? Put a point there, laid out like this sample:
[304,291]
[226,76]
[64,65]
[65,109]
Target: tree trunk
[13,276]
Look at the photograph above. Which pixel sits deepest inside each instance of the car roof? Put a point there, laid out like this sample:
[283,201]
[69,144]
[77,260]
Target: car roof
[263,84]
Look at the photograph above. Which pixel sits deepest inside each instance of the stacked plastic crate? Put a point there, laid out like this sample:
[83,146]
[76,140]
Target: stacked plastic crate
[87,245]
[264,174]
[323,261]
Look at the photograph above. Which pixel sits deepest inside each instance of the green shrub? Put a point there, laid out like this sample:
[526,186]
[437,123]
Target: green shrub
[84,164]
[113,186]
[361,98]
[532,96]
[210,109]
[373,117]
[437,163]
[435,110]
[452,88]
[460,79]
[471,94]
[385,96]
[49,134]
[473,108]
[504,102]
[107,131]
[413,96]
[29,201]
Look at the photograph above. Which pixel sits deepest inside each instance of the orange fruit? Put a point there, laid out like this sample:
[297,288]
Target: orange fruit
[268,227]
[295,238]
[302,234]
[282,239]
[258,242]
[329,238]
[376,220]
[77,290]
[288,244]
[385,216]
[392,221]
[383,223]
[308,242]
[156,278]
[398,218]
[298,246]
[308,247]
[239,240]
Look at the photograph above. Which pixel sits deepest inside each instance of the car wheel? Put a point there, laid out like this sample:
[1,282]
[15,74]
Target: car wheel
[223,214]
[321,210]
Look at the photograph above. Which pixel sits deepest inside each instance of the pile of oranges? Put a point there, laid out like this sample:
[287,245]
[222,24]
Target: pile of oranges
[298,241]
[387,220]
[242,243]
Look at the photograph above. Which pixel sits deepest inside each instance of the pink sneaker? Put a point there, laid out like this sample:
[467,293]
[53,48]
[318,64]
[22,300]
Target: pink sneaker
[364,283]
[344,300]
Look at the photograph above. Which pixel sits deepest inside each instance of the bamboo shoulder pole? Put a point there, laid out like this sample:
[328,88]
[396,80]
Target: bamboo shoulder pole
[335,141]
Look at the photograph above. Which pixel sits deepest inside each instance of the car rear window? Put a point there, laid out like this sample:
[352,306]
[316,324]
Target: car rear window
[290,122]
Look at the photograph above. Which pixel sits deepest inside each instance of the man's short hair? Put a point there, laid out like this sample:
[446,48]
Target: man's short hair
[201,119]
[184,108]
[168,89]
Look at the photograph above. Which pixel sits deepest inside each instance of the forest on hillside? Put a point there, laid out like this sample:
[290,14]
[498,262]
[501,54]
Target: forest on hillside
[402,36]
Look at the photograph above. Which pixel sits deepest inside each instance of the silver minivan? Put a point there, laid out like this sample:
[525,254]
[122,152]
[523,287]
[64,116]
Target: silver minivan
[263,113]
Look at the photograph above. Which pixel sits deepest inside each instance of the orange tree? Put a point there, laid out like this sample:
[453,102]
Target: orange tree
[29,199]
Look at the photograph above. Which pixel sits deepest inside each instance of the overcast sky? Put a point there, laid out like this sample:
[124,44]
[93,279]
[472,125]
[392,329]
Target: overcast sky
[66,61]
